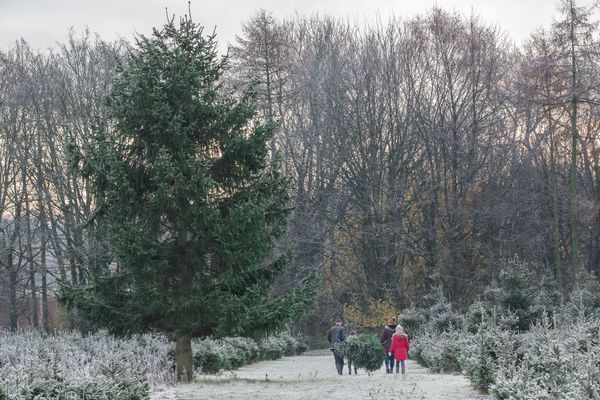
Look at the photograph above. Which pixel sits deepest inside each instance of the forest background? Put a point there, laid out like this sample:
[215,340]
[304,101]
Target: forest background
[424,153]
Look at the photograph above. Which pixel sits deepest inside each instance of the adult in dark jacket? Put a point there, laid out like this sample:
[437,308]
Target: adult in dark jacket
[336,334]
[385,337]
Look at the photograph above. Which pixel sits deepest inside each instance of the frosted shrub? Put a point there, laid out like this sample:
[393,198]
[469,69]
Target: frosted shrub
[556,364]
[413,320]
[516,299]
[213,355]
[440,351]
[248,348]
[480,364]
[69,366]
[484,352]
[584,300]
[273,347]
[444,318]
[72,367]
[440,316]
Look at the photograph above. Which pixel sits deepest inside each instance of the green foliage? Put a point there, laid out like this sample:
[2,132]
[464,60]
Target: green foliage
[554,364]
[71,366]
[436,315]
[210,362]
[439,351]
[515,300]
[214,355]
[584,300]
[364,352]
[413,320]
[484,352]
[481,372]
[190,199]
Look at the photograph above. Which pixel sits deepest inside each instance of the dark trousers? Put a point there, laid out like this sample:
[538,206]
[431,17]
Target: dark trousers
[339,363]
[350,368]
[389,362]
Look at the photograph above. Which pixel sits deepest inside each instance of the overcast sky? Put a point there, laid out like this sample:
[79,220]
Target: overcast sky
[44,22]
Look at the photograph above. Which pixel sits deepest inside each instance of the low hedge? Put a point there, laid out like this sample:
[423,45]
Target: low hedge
[213,355]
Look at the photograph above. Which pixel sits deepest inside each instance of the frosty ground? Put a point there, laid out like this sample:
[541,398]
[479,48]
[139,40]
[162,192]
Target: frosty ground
[313,376]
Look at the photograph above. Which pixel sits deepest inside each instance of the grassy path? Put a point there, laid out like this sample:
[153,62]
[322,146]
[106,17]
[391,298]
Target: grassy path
[313,376]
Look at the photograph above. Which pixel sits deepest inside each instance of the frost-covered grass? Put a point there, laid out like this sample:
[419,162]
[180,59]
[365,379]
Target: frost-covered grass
[314,377]
[71,366]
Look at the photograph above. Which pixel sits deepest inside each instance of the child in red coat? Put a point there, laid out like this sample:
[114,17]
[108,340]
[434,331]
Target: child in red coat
[399,348]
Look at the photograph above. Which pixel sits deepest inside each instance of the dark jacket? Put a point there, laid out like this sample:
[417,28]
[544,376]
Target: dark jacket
[385,337]
[336,334]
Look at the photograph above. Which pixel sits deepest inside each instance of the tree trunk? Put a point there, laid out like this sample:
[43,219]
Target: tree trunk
[35,319]
[555,210]
[573,191]
[44,267]
[12,288]
[183,354]
[574,136]
[30,262]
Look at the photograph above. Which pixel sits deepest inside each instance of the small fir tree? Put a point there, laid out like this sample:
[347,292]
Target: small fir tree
[190,198]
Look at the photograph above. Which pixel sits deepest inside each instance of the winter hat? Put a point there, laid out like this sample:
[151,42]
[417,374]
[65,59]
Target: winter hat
[399,330]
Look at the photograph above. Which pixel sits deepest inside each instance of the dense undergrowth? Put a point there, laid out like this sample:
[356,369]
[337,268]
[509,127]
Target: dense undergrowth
[71,366]
[518,341]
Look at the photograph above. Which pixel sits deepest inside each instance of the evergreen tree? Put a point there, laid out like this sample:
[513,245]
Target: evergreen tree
[190,199]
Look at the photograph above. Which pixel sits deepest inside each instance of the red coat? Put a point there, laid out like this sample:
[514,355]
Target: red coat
[399,347]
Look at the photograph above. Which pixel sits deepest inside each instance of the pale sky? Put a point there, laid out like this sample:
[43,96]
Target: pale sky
[44,22]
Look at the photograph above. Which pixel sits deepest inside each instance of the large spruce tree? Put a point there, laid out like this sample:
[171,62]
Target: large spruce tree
[192,203]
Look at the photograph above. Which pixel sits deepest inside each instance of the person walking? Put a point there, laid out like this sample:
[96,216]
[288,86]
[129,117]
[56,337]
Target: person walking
[385,337]
[352,336]
[399,348]
[336,334]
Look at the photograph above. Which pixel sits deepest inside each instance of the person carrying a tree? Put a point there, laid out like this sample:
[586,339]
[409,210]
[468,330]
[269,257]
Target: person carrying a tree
[352,336]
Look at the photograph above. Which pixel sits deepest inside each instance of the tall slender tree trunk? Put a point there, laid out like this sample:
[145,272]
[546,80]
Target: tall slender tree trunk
[574,136]
[12,289]
[29,250]
[555,212]
[183,356]
[44,267]
[35,319]
[573,190]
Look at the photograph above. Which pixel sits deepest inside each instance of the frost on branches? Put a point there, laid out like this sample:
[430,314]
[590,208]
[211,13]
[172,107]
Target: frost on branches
[518,342]
[69,366]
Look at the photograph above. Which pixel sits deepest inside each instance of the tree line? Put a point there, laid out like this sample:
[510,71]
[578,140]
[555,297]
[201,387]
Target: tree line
[423,152]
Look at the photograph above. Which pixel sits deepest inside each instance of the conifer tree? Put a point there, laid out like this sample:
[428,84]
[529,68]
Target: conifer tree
[190,199]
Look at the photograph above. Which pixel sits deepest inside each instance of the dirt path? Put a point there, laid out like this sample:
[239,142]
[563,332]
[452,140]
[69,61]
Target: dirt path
[313,376]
